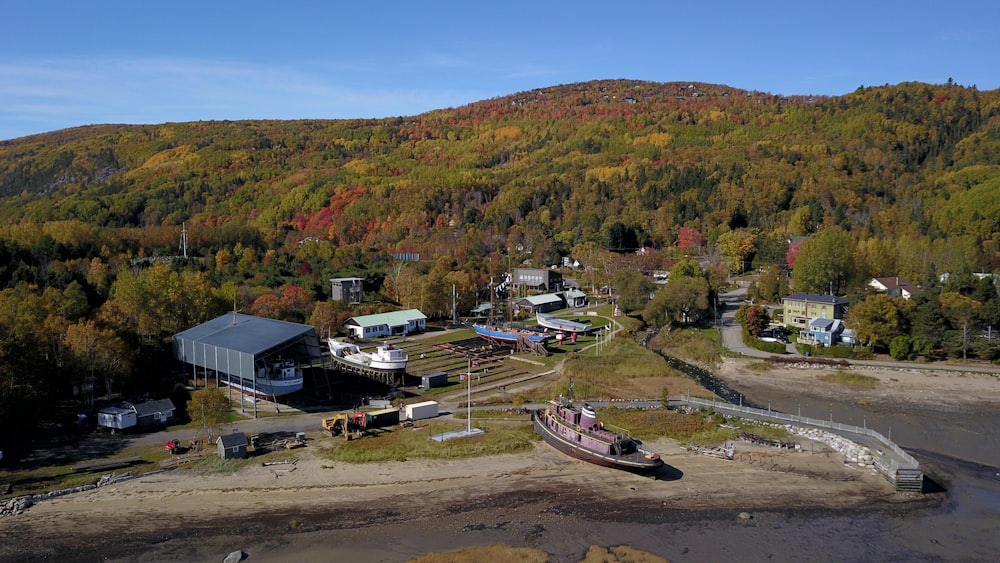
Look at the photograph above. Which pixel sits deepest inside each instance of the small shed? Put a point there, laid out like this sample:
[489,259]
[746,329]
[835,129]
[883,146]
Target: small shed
[232,446]
[436,379]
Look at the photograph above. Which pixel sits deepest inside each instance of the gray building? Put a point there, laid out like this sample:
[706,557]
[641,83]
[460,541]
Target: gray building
[241,351]
[539,279]
[347,290]
[233,446]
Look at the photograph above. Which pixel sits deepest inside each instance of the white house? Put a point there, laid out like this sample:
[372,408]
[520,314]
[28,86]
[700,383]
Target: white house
[895,286]
[395,323]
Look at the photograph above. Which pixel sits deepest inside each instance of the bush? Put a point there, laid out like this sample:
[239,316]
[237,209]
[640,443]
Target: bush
[900,349]
[844,352]
[771,347]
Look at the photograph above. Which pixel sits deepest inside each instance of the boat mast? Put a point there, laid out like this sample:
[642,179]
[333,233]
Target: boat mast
[492,291]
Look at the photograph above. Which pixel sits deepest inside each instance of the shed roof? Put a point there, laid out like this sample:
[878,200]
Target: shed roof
[393,318]
[238,344]
[244,333]
[234,440]
[543,299]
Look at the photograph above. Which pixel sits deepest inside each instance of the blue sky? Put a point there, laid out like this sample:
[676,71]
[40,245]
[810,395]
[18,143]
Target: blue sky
[65,63]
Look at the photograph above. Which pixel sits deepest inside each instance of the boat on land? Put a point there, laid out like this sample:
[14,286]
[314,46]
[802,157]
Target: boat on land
[509,336]
[275,379]
[562,325]
[387,359]
[576,432]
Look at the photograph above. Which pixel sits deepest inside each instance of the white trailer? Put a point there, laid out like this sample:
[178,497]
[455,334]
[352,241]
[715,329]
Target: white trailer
[116,418]
[419,411]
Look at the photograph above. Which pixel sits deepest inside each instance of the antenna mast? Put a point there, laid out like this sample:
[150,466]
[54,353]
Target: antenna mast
[235,310]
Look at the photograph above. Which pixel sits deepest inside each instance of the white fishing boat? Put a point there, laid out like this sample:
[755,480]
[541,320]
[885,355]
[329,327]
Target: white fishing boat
[386,359]
[279,378]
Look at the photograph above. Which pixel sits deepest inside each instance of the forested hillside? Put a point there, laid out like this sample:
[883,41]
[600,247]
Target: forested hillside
[904,179]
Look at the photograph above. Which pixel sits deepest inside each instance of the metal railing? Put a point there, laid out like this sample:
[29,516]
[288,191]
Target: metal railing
[906,460]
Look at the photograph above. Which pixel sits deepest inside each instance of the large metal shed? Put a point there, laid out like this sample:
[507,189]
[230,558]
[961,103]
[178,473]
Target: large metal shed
[236,345]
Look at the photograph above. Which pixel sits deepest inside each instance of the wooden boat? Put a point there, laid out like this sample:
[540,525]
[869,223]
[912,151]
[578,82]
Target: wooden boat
[577,433]
[508,336]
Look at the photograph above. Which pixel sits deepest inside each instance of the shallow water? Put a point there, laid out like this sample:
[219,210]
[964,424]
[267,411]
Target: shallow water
[958,451]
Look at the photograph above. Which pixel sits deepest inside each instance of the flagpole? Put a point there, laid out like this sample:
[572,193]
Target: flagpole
[468,401]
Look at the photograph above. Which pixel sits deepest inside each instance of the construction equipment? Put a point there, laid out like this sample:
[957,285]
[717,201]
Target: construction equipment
[358,423]
[336,425]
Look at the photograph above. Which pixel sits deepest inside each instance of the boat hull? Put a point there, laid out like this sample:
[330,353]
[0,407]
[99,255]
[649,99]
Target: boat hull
[554,323]
[634,463]
[386,360]
[266,389]
[387,368]
[504,336]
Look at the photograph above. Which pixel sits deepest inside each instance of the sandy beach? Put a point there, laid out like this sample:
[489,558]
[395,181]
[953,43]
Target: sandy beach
[400,510]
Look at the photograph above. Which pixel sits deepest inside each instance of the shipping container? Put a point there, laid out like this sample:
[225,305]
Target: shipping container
[436,379]
[381,418]
[418,411]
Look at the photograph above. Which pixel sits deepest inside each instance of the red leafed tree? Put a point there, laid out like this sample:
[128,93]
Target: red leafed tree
[793,251]
[267,305]
[295,303]
[757,320]
[689,237]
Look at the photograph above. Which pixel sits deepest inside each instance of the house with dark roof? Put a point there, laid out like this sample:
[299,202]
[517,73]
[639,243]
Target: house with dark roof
[800,308]
[823,331]
[142,415]
[152,413]
[827,332]
[895,286]
[540,303]
[537,279]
